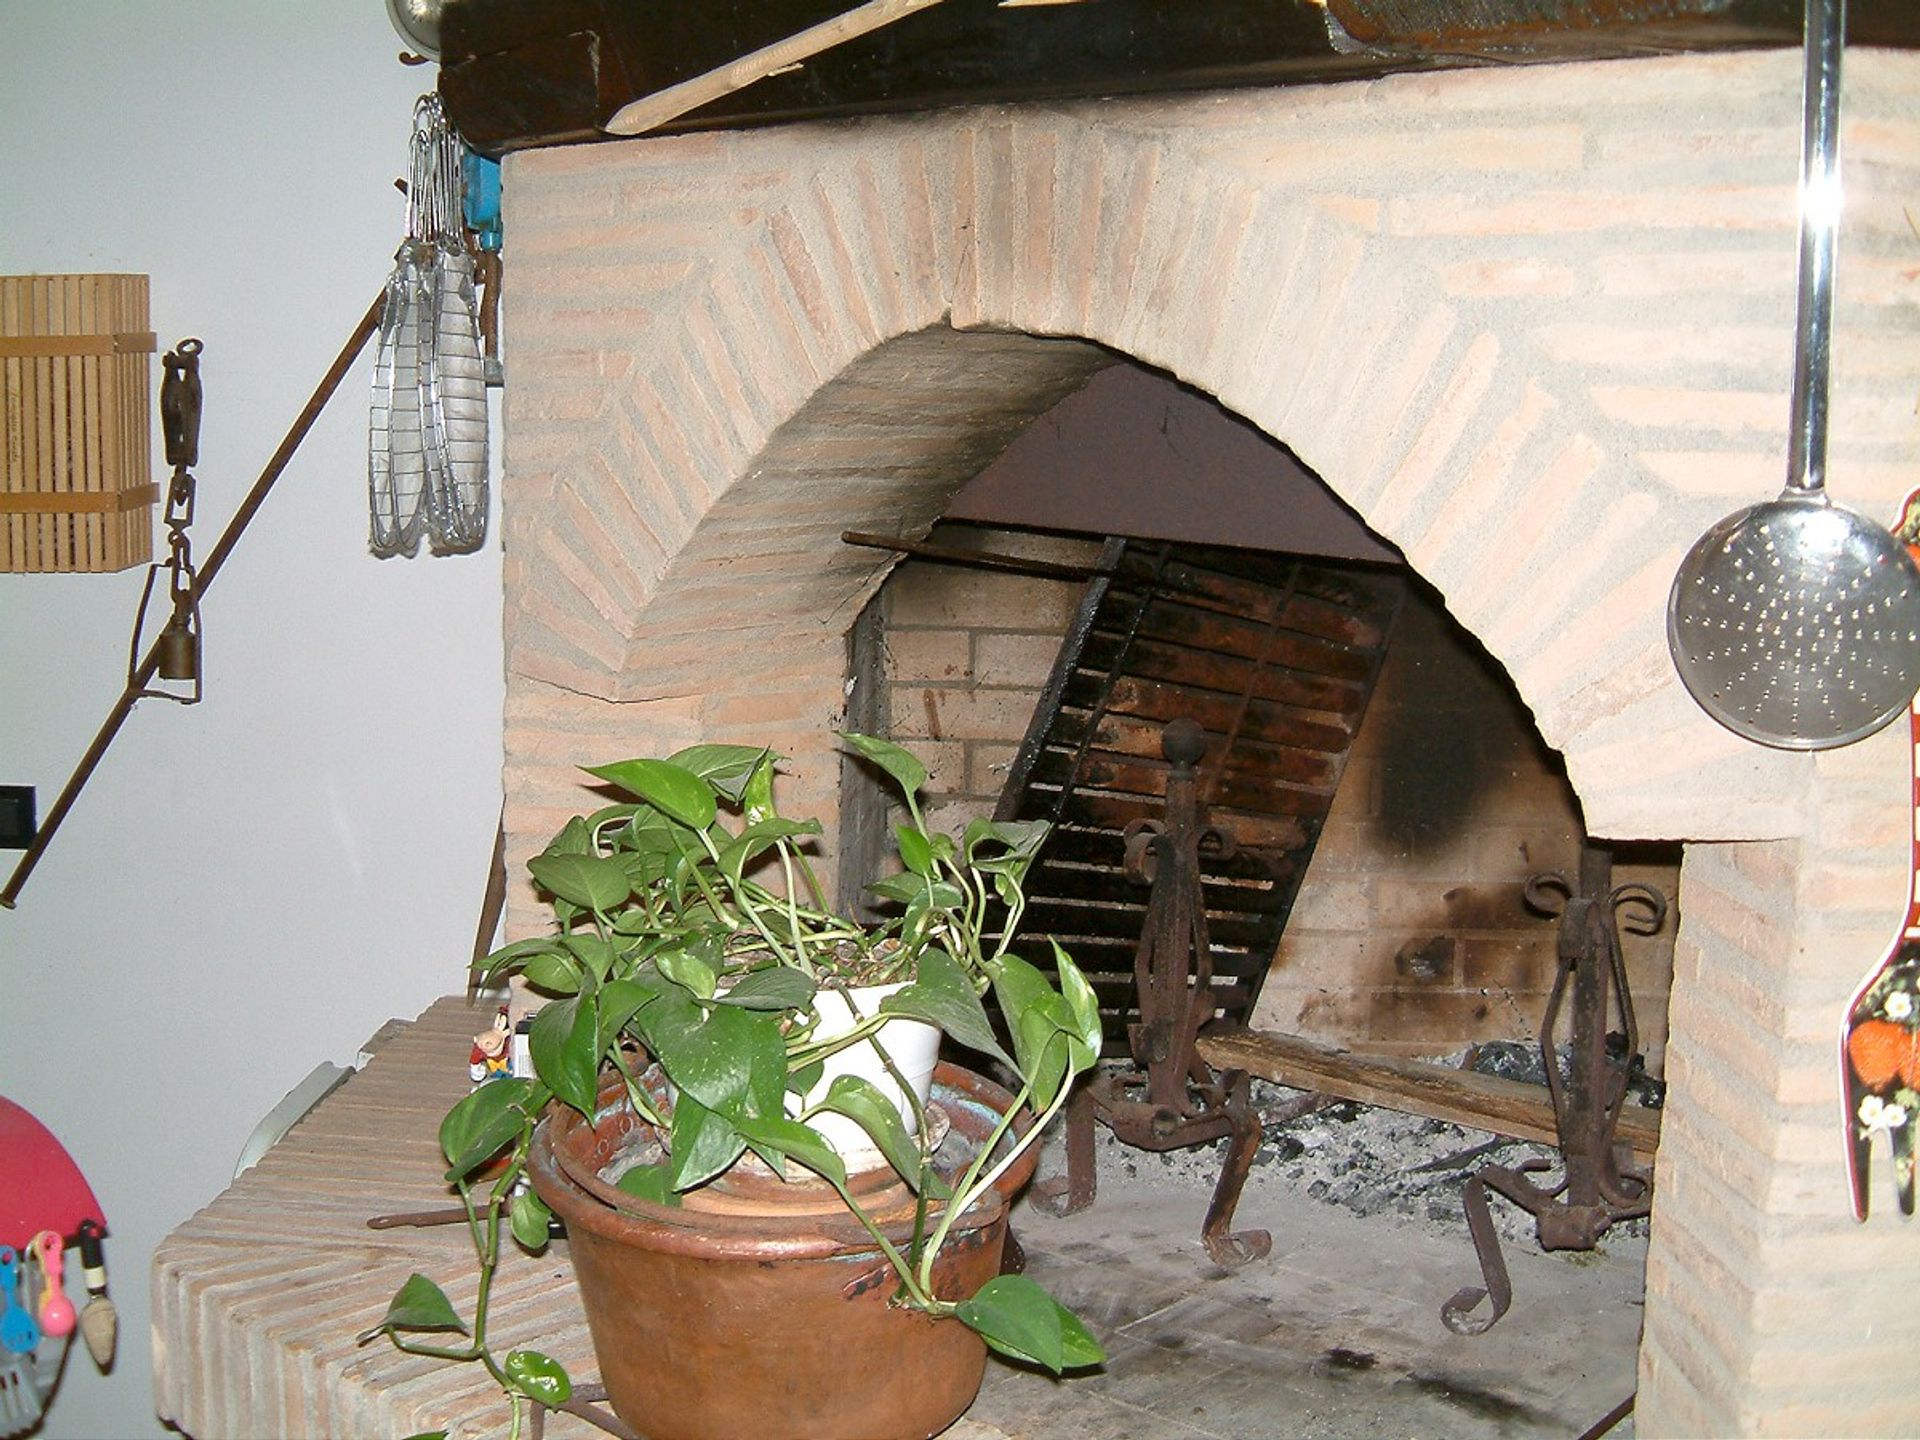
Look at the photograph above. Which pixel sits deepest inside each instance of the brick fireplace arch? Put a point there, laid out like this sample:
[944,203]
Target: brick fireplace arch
[1534,326]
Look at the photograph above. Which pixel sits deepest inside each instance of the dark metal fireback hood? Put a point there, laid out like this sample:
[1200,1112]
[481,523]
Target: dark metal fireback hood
[517,73]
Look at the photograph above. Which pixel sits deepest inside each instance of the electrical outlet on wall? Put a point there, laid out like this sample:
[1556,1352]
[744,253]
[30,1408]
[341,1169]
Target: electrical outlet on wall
[17,823]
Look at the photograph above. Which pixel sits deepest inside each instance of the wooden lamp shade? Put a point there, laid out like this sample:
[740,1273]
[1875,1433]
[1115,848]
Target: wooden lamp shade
[76,489]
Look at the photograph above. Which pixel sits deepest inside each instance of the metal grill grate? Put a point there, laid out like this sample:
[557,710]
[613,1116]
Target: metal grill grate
[1276,658]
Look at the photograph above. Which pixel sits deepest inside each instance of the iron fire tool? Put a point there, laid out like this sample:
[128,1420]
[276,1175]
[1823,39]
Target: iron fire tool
[179,644]
[1600,1184]
[1185,1101]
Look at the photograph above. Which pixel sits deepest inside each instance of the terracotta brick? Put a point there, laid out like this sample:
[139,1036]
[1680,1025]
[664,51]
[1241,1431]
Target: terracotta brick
[941,657]
[1337,296]
[1729,473]
[988,766]
[1881,888]
[1423,152]
[1332,904]
[1437,1020]
[925,712]
[1514,962]
[1197,302]
[946,763]
[1720,412]
[1486,479]
[1570,595]
[1650,350]
[1359,212]
[1509,563]
[1518,849]
[1564,212]
[1328,960]
[951,596]
[1018,660]
[1419,905]
[1508,279]
[1455,410]
[1416,849]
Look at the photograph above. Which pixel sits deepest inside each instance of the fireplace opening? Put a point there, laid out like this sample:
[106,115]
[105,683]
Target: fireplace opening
[1406,932]
[1400,924]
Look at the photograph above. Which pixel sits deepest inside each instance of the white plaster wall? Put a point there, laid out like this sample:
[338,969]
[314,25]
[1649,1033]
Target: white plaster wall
[250,887]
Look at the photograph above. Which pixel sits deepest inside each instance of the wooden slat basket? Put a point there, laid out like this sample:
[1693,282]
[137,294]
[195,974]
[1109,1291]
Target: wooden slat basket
[76,485]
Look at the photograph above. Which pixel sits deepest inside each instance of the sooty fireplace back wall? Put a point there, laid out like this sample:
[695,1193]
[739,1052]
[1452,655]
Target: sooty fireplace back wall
[1408,934]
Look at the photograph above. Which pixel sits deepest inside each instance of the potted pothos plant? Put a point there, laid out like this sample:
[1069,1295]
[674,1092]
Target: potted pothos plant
[717,1039]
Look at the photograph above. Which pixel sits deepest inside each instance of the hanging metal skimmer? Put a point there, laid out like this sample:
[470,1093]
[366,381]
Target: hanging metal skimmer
[1796,623]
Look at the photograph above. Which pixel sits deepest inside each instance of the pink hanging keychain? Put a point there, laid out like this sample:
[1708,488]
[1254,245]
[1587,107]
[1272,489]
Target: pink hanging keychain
[54,1310]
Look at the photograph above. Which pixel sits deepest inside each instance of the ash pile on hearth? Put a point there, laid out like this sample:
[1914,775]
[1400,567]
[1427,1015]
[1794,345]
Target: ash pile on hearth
[1375,1161]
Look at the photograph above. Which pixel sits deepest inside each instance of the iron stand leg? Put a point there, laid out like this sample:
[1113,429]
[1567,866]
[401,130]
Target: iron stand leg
[1076,1190]
[1227,1247]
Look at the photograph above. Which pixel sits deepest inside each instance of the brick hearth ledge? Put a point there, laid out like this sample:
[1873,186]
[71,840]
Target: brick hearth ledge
[257,1299]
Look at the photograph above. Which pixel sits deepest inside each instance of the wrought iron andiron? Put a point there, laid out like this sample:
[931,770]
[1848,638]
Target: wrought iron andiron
[1600,1183]
[1171,1099]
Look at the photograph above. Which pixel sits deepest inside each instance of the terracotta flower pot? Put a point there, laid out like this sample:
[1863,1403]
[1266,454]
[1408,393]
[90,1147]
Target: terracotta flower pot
[761,1308]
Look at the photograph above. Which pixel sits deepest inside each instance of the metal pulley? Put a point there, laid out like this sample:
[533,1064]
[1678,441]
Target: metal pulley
[178,649]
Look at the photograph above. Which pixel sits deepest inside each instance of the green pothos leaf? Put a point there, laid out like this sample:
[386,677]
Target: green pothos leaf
[756,795]
[1011,845]
[418,1305]
[1023,992]
[903,887]
[589,880]
[916,852]
[688,971]
[725,767]
[512,957]
[527,1217]
[729,1059]
[539,1377]
[575,838]
[633,920]
[595,955]
[702,1143]
[863,1102]
[1046,1045]
[1082,1004]
[778,987]
[620,1001]
[907,772]
[775,1138]
[552,971]
[1019,1319]
[672,789]
[650,1182]
[485,1122]
[758,838]
[565,1045]
[943,996]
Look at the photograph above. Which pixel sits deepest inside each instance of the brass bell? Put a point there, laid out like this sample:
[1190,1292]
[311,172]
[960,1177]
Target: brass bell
[179,651]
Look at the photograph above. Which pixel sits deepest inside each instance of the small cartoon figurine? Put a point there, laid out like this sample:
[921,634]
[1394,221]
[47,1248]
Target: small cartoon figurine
[492,1054]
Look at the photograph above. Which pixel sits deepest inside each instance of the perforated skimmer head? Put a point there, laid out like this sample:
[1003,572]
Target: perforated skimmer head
[1797,624]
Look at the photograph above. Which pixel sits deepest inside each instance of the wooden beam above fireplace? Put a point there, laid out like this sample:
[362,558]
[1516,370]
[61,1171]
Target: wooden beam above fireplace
[516,75]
